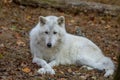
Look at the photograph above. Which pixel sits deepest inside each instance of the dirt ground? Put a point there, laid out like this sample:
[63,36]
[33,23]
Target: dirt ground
[15,58]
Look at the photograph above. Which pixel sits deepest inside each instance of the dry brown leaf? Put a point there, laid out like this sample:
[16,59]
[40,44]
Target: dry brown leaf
[4,27]
[107,26]
[61,72]
[62,79]
[2,45]
[83,77]
[17,35]
[72,21]
[20,43]
[115,58]
[69,70]
[7,1]
[28,17]
[26,70]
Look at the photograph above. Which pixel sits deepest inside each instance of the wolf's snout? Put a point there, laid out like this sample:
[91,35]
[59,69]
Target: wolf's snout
[49,45]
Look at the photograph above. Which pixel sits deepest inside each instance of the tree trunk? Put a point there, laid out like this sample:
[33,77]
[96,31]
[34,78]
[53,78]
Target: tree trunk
[117,74]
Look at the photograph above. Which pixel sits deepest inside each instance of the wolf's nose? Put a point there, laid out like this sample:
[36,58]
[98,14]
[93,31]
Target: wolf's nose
[49,45]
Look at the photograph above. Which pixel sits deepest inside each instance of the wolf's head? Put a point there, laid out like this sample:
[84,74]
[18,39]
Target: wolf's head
[52,29]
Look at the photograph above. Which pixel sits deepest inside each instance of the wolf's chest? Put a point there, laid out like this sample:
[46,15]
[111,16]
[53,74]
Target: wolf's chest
[49,57]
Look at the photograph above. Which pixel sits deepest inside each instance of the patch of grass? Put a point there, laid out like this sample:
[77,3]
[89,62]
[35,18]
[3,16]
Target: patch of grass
[1,56]
[13,27]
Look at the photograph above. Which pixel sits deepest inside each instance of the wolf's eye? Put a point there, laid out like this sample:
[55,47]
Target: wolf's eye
[54,32]
[46,32]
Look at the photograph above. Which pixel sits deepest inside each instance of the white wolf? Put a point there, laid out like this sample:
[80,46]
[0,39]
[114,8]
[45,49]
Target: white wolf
[51,45]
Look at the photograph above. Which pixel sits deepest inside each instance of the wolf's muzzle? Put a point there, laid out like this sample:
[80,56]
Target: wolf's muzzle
[49,45]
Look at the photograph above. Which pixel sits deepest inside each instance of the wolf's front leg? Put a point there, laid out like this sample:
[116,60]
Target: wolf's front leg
[53,63]
[46,68]
[39,62]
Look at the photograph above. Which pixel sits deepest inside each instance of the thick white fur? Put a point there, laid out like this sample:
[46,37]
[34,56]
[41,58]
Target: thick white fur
[66,48]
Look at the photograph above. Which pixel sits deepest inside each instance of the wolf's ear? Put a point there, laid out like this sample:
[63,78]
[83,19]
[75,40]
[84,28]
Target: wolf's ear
[42,20]
[61,20]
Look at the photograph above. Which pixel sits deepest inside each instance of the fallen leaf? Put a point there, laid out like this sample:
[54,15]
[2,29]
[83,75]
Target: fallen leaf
[107,26]
[26,70]
[115,58]
[92,18]
[7,1]
[4,27]
[17,35]
[28,17]
[61,72]
[83,77]
[69,70]
[23,64]
[2,45]
[72,21]
[20,43]
[94,78]
[62,79]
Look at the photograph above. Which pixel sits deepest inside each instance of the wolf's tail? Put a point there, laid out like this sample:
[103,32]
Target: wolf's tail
[108,66]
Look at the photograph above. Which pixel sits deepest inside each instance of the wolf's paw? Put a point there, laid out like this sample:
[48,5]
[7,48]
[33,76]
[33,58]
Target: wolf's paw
[41,71]
[46,71]
[88,68]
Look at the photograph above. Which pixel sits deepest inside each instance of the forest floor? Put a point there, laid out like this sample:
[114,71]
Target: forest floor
[15,58]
